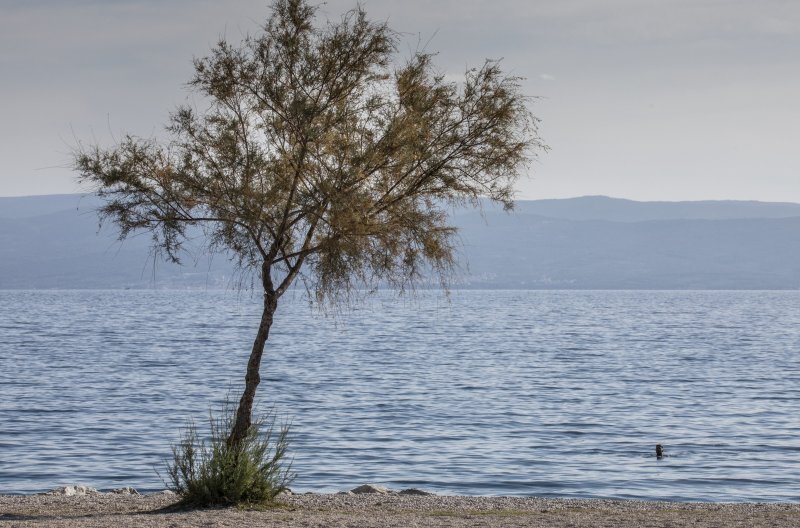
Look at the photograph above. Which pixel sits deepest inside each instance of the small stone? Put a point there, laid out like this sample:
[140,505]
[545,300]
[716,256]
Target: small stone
[85,490]
[345,493]
[60,491]
[71,491]
[125,491]
[167,492]
[415,491]
[370,488]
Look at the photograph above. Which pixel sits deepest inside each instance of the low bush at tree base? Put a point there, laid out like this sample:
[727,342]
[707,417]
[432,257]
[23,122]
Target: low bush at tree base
[212,471]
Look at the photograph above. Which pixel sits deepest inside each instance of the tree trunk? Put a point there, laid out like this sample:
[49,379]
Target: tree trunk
[244,412]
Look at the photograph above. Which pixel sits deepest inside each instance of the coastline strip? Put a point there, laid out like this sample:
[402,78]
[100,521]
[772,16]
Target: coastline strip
[387,510]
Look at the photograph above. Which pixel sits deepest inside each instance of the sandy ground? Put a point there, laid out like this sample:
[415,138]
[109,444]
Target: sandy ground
[375,510]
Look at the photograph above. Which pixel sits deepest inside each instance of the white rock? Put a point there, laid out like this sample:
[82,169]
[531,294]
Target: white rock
[70,491]
[370,488]
[125,491]
[85,490]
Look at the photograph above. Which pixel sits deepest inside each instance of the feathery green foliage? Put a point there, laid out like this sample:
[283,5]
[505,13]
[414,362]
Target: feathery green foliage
[212,472]
[317,155]
[322,155]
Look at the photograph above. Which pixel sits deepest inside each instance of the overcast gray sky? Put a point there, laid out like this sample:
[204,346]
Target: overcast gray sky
[640,99]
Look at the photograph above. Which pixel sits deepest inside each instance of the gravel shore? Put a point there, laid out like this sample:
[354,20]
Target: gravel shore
[385,510]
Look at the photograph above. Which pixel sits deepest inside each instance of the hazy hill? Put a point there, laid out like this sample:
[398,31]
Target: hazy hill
[588,242]
[31,206]
[56,242]
[619,210]
[529,251]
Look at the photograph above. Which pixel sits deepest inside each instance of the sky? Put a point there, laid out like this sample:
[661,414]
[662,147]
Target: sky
[638,99]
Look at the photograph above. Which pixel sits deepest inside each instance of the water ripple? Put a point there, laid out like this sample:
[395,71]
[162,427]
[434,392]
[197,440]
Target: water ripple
[512,393]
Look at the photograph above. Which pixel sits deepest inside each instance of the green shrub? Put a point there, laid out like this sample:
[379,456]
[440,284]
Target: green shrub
[209,472]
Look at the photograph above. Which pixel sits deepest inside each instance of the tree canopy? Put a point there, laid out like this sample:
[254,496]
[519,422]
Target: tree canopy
[312,151]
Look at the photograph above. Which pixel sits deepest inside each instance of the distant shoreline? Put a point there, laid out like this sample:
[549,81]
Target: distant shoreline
[388,510]
[589,242]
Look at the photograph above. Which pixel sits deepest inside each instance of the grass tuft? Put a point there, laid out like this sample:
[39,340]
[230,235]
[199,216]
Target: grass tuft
[209,472]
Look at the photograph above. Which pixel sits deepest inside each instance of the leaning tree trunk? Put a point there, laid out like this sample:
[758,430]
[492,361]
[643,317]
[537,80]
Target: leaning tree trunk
[244,412]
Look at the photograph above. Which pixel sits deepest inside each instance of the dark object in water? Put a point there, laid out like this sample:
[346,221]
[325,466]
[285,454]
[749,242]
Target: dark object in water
[659,451]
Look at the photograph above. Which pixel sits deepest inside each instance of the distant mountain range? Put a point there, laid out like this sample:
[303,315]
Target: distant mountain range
[592,242]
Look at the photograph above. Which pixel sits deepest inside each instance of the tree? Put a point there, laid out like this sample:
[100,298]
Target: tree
[319,156]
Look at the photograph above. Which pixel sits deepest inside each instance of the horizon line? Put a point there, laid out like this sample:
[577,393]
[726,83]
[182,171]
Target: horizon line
[579,197]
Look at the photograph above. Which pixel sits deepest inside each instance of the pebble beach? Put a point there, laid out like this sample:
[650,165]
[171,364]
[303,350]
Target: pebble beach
[383,508]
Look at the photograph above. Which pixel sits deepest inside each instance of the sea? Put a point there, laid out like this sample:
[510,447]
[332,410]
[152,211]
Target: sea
[519,393]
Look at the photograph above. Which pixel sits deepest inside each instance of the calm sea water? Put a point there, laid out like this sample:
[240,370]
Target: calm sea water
[493,392]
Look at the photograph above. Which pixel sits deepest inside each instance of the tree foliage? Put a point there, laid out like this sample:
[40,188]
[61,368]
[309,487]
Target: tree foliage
[209,471]
[316,153]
